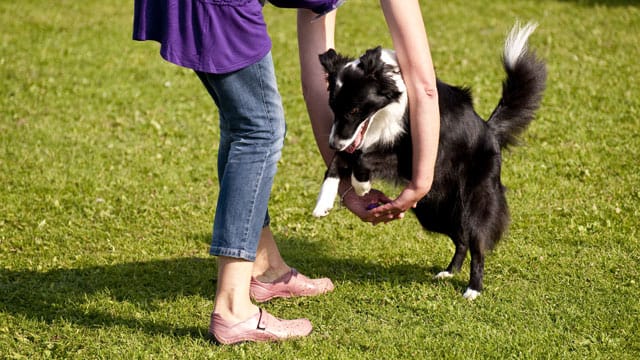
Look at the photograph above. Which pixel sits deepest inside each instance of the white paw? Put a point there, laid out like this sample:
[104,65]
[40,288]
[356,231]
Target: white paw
[470,294]
[444,275]
[328,193]
[321,211]
[360,188]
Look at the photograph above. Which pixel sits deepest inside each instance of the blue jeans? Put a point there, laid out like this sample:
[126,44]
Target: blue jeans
[252,130]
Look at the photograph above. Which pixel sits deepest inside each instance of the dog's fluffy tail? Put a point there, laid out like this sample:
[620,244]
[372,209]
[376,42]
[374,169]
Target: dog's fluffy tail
[521,90]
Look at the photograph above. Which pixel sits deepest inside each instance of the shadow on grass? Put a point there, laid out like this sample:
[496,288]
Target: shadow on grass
[312,260]
[70,294]
[75,295]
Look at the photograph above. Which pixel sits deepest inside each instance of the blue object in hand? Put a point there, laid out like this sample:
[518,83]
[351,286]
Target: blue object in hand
[373,206]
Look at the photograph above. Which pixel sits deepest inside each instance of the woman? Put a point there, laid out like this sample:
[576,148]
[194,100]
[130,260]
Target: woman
[226,43]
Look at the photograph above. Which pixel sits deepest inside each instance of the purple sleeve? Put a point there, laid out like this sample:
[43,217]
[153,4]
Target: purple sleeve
[317,6]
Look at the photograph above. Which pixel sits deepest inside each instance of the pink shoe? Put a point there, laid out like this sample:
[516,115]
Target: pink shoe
[260,327]
[289,285]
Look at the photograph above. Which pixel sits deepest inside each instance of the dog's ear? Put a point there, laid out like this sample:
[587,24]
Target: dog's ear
[370,62]
[332,61]
[327,59]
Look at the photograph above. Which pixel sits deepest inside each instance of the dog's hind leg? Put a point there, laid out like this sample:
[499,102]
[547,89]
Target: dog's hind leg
[477,269]
[487,222]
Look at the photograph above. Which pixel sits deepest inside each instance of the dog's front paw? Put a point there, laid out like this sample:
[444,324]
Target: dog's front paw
[360,188]
[321,210]
[327,195]
[323,206]
[363,190]
[471,294]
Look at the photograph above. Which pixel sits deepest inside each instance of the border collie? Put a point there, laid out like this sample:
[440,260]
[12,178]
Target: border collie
[371,136]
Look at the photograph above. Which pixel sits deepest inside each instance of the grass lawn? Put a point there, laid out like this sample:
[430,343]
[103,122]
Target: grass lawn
[108,186]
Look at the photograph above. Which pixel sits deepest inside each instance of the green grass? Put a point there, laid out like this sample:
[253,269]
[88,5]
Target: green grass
[108,187]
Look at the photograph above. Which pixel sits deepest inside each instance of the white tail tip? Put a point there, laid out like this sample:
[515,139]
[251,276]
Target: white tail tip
[516,43]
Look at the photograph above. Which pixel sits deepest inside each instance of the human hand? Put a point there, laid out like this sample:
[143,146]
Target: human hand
[395,209]
[360,205]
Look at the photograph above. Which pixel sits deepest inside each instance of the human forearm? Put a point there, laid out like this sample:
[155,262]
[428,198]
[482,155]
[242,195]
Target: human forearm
[425,130]
[412,48]
[314,38]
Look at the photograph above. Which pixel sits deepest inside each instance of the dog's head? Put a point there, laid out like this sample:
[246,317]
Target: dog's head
[358,90]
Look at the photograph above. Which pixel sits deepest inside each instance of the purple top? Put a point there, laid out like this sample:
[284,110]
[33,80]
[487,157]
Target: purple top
[213,36]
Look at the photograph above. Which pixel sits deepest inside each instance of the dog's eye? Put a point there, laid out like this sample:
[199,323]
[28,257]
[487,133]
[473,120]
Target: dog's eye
[354,111]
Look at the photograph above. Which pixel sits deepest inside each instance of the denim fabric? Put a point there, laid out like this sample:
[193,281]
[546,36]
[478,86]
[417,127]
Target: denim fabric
[252,130]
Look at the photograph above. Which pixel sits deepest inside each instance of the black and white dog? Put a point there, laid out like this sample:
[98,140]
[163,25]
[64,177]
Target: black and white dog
[372,137]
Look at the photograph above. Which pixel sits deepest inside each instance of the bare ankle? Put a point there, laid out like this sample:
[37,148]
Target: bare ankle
[271,273]
[235,314]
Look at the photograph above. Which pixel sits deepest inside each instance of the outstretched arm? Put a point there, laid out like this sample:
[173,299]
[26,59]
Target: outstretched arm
[406,26]
[314,38]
